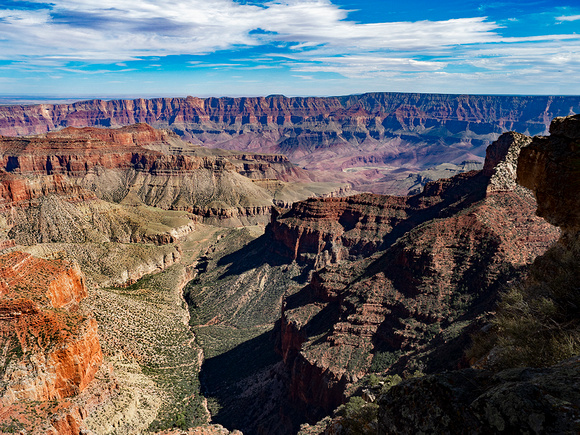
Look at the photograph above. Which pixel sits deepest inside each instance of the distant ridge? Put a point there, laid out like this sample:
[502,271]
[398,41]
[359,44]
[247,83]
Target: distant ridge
[368,140]
[508,112]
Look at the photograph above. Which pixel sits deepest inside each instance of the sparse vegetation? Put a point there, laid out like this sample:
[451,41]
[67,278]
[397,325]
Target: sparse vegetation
[152,329]
[359,414]
[537,322]
[383,360]
[12,426]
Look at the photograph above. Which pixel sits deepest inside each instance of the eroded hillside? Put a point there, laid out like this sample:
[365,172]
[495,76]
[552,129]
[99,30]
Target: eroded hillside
[373,140]
[126,207]
[256,328]
[380,284]
[530,377]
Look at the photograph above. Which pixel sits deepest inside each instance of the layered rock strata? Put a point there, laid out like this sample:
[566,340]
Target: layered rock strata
[114,166]
[51,350]
[369,136]
[138,164]
[404,277]
[372,113]
[522,399]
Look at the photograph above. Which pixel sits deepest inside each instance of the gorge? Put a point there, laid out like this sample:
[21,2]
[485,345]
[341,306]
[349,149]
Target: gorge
[375,140]
[152,284]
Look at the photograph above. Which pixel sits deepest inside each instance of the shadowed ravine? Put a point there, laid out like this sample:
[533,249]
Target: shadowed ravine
[365,285]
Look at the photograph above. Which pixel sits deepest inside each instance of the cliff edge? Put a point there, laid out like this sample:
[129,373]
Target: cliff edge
[537,325]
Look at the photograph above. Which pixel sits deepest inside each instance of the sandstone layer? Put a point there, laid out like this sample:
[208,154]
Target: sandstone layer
[141,165]
[369,135]
[536,325]
[50,349]
[404,278]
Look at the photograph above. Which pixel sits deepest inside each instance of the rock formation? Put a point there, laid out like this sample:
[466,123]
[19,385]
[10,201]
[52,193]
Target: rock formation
[540,401]
[404,278]
[549,167]
[138,164]
[370,133]
[50,349]
[536,324]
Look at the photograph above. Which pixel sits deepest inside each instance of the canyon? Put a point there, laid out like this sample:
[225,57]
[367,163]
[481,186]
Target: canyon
[154,285]
[375,140]
[129,207]
[536,371]
[379,285]
[138,164]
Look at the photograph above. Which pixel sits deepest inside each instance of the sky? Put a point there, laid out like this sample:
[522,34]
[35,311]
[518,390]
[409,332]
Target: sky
[162,48]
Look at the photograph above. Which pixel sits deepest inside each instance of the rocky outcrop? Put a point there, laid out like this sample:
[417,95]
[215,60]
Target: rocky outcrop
[543,305]
[114,165]
[502,161]
[18,192]
[538,401]
[431,265]
[371,132]
[269,166]
[77,152]
[536,325]
[550,168]
[50,350]
[321,231]
[154,262]
[324,231]
[234,216]
[54,209]
[141,165]
[210,429]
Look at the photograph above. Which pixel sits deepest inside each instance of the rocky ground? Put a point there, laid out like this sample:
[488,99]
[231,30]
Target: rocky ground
[134,259]
[530,384]
[382,285]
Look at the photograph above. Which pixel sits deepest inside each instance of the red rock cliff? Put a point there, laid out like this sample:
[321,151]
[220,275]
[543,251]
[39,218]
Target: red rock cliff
[549,166]
[407,111]
[52,350]
[382,130]
[76,152]
[139,161]
[439,257]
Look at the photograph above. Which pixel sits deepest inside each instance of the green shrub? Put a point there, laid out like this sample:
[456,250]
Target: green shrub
[383,360]
[359,417]
[537,324]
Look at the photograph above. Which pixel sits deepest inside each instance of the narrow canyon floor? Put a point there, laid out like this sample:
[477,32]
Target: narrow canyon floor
[235,301]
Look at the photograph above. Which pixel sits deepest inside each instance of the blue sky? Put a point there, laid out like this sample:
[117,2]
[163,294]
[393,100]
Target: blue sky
[131,48]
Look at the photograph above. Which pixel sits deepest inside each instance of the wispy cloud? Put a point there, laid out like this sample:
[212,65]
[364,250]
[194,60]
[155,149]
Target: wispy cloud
[106,31]
[568,18]
[367,66]
[308,37]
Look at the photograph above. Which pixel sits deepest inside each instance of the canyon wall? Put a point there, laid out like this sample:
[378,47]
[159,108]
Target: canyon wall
[138,164]
[360,139]
[535,334]
[52,351]
[400,282]
[383,111]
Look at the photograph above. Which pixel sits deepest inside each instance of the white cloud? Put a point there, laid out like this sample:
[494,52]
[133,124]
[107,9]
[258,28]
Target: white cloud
[568,18]
[316,35]
[367,66]
[119,31]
